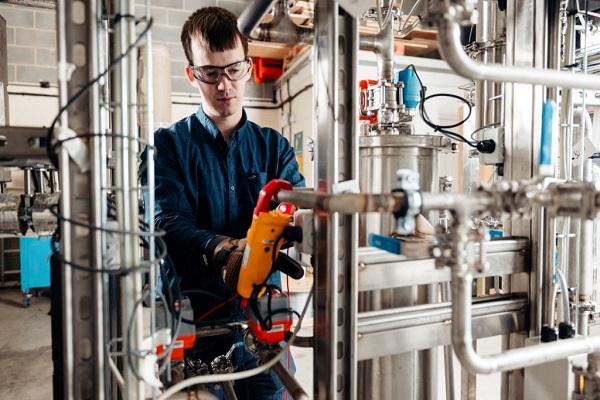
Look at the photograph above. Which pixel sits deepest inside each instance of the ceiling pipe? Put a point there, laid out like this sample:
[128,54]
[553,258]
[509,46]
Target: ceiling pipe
[452,51]
[282,29]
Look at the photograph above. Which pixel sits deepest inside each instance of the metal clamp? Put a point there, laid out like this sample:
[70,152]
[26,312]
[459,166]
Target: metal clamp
[408,183]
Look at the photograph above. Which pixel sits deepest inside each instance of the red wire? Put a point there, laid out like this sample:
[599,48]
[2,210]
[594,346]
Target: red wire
[287,278]
[212,310]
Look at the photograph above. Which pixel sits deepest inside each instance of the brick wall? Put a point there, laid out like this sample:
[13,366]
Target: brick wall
[31,40]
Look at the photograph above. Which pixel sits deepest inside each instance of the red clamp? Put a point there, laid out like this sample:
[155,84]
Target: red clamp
[266,195]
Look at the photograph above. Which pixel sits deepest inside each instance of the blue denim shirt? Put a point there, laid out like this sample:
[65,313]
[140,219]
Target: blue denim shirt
[204,189]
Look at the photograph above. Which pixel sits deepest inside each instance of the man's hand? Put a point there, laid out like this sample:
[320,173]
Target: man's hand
[227,258]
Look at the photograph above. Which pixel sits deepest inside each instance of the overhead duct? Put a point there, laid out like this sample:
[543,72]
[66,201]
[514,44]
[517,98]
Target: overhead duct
[282,29]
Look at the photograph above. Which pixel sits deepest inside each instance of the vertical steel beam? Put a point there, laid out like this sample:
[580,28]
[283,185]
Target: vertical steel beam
[336,153]
[125,147]
[83,359]
[525,46]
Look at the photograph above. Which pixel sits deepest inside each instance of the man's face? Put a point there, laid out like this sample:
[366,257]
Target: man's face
[221,100]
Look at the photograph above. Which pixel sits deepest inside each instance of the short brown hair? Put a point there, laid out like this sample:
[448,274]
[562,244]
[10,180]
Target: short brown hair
[216,27]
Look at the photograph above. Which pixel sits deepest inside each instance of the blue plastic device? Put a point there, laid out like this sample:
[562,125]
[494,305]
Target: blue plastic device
[549,125]
[411,95]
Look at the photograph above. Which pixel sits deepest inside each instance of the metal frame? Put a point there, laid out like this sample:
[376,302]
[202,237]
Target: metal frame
[82,303]
[336,235]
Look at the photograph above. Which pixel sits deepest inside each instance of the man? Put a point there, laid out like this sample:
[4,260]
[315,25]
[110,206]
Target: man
[209,169]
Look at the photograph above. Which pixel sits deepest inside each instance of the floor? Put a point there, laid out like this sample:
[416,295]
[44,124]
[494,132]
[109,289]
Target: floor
[25,347]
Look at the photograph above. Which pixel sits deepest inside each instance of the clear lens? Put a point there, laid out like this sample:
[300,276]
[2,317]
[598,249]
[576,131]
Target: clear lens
[234,72]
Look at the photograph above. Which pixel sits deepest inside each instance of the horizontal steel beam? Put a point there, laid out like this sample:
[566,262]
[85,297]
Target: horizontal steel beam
[23,146]
[379,269]
[388,332]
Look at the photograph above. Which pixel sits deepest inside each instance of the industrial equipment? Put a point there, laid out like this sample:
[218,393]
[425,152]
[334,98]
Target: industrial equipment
[382,320]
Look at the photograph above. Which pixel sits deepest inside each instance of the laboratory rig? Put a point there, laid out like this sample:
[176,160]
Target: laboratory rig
[410,272]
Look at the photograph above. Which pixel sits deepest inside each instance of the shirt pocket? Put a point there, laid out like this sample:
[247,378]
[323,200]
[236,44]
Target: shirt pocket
[253,183]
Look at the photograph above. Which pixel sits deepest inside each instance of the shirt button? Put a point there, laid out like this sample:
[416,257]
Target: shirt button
[232,188]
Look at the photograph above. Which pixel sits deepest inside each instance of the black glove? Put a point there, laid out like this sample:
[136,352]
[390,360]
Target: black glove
[227,259]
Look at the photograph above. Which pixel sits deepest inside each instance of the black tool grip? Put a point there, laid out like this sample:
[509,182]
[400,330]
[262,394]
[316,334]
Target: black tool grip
[289,266]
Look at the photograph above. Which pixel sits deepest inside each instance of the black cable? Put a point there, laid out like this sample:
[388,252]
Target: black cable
[88,86]
[59,142]
[492,125]
[443,129]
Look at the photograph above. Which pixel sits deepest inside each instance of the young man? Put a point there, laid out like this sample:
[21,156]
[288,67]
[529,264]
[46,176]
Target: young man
[209,169]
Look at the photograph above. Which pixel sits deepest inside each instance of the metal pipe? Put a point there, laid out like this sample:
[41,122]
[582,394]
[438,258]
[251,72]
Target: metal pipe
[462,339]
[27,182]
[228,390]
[509,360]
[344,203]
[586,270]
[281,29]
[290,383]
[468,202]
[423,314]
[251,16]
[448,355]
[41,179]
[360,203]
[547,283]
[565,296]
[453,53]
[382,44]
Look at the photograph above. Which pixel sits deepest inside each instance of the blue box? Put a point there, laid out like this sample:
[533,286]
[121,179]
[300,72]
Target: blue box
[35,262]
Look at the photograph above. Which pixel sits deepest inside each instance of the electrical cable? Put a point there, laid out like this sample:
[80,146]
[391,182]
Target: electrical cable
[212,310]
[88,86]
[486,146]
[492,125]
[443,129]
[197,380]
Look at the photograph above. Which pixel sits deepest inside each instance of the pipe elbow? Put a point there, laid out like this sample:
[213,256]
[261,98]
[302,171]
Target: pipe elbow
[251,16]
[468,357]
[453,53]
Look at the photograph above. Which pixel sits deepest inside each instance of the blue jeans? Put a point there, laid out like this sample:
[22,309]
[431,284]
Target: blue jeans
[264,386]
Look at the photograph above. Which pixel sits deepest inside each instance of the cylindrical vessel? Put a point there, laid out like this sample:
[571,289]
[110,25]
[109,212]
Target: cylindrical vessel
[381,156]
[411,375]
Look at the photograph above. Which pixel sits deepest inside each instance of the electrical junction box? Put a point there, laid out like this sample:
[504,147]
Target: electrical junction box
[304,218]
[187,332]
[497,157]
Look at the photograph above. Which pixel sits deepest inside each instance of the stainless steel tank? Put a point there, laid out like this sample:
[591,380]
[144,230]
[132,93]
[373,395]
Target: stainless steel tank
[411,375]
[381,156]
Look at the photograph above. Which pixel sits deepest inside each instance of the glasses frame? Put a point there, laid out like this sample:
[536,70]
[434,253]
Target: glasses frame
[222,72]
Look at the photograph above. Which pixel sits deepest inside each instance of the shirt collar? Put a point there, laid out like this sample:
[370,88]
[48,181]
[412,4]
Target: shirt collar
[210,127]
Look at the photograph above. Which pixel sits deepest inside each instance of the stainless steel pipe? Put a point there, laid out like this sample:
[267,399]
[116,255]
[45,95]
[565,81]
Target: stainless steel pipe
[282,29]
[452,52]
[290,383]
[344,203]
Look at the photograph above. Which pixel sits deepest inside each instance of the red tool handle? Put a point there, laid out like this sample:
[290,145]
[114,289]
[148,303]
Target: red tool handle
[267,193]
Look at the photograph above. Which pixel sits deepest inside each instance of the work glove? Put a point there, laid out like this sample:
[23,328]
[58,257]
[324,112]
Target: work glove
[227,259]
